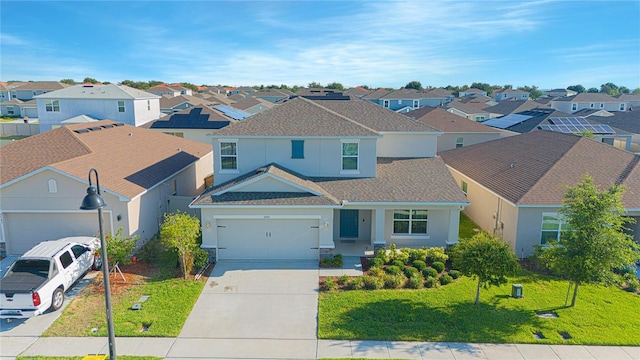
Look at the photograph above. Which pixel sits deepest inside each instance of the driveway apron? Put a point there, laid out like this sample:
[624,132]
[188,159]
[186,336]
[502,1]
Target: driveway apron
[257,301]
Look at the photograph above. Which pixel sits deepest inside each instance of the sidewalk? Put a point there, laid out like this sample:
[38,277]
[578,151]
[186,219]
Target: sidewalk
[201,348]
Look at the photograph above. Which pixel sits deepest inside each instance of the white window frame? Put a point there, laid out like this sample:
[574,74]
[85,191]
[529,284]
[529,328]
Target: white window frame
[53,186]
[221,156]
[410,220]
[574,107]
[622,107]
[416,104]
[52,105]
[592,105]
[601,105]
[562,225]
[343,156]
[385,103]
[464,186]
[121,106]
[149,105]
[459,142]
[11,110]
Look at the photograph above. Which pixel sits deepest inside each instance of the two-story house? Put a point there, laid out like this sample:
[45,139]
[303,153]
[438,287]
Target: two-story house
[119,103]
[499,95]
[597,101]
[17,99]
[300,179]
[560,92]
[471,91]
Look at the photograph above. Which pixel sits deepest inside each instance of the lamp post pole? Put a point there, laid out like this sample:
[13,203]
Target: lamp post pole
[93,201]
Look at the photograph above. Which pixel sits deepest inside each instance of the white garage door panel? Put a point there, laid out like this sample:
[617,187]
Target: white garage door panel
[23,231]
[267,239]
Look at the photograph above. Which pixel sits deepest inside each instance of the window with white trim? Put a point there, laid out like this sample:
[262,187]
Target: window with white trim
[350,155]
[553,225]
[574,107]
[229,155]
[53,186]
[10,110]
[52,105]
[465,187]
[385,103]
[459,142]
[148,104]
[416,104]
[592,105]
[120,105]
[601,105]
[622,106]
[410,222]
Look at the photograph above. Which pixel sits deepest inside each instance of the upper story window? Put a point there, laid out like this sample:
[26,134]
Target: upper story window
[592,105]
[410,222]
[385,103]
[350,155]
[52,105]
[148,104]
[416,103]
[622,106]
[459,142]
[601,105]
[53,186]
[574,107]
[229,155]
[120,105]
[465,187]
[552,227]
[399,101]
[297,149]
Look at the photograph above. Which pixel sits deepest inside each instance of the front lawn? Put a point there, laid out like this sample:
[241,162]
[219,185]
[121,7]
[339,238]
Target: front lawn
[163,314]
[602,316]
[468,228]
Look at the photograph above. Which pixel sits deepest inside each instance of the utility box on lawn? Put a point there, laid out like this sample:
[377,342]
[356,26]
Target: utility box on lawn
[516,291]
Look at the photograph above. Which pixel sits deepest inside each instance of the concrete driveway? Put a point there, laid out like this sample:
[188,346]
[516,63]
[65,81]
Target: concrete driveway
[247,306]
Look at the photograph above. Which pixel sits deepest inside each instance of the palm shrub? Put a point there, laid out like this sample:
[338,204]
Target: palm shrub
[343,279]
[393,270]
[430,272]
[439,266]
[398,263]
[418,254]
[329,284]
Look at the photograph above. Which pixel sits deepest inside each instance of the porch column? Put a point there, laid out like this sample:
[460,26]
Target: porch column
[378,228]
[454,226]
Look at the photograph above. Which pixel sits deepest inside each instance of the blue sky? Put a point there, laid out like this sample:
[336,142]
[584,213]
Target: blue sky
[376,43]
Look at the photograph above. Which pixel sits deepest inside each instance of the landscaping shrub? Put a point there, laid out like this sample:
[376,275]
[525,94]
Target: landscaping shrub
[343,279]
[632,282]
[437,254]
[383,255]
[398,263]
[329,285]
[420,264]
[120,248]
[335,262]
[439,266]
[410,271]
[376,262]
[377,271]
[454,274]
[393,270]
[402,255]
[372,282]
[431,282]
[355,283]
[394,281]
[430,272]
[418,254]
[415,282]
[445,279]
[200,258]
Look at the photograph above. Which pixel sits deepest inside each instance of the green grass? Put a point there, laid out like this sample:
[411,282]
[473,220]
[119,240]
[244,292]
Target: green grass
[165,311]
[466,227]
[602,316]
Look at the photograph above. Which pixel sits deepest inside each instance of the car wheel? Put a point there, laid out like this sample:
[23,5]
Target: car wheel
[57,300]
[97,262]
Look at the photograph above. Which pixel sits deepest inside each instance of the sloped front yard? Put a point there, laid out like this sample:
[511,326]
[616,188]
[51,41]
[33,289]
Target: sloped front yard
[602,316]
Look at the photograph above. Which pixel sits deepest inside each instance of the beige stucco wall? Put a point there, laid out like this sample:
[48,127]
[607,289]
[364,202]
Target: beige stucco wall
[405,145]
[447,141]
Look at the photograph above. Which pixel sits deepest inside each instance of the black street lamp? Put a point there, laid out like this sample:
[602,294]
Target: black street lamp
[93,201]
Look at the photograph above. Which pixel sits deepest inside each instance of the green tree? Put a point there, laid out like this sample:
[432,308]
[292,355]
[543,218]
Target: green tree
[335,85]
[190,86]
[89,80]
[593,90]
[577,88]
[636,90]
[484,257]
[180,231]
[609,89]
[314,85]
[533,91]
[68,81]
[414,85]
[482,86]
[624,90]
[597,244]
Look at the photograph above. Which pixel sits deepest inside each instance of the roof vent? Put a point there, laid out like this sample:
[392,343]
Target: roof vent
[512,165]
[88,85]
[118,124]
[81,131]
[130,134]
[95,128]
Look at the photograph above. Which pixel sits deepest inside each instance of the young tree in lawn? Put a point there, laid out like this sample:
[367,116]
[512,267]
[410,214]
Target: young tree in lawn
[180,231]
[596,244]
[484,257]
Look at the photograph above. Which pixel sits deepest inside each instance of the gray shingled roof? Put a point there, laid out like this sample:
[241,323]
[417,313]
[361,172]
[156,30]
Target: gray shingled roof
[588,97]
[89,91]
[421,180]
[512,106]
[534,168]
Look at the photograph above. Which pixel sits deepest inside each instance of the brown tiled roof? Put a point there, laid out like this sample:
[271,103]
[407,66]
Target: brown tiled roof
[129,159]
[448,122]
[512,106]
[41,85]
[466,108]
[297,117]
[535,168]
[438,93]
[419,112]
[376,94]
[373,116]
[421,180]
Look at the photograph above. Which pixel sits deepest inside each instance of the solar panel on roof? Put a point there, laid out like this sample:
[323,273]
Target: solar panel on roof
[568,121]
[232,113]
[507,121]
[578,128]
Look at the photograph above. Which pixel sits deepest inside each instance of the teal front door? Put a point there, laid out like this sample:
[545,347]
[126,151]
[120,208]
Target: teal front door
[349,223]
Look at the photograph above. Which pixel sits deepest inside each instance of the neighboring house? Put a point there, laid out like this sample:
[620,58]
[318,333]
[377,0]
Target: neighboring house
[438,97]
[500,95]
[357,91]
[5,94]
[170,90]
[28,90]
[16,107]
[138,169]
[253,105]
[405,100]
[523,121]
[237,97]
[195,123]
[516,185]
[219,99]
[242,90]
[119,103]
[375,96]
[632,100]
[457,131]
[622,122]
[597,101]
[215,90]
[472,91]
[478,101]
[271,95]
[510,107]
[467,111]
[298,180]
[560,92]
[171,104]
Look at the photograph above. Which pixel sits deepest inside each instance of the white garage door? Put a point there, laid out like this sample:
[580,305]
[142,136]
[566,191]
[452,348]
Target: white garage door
[275,239]
[23,231]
